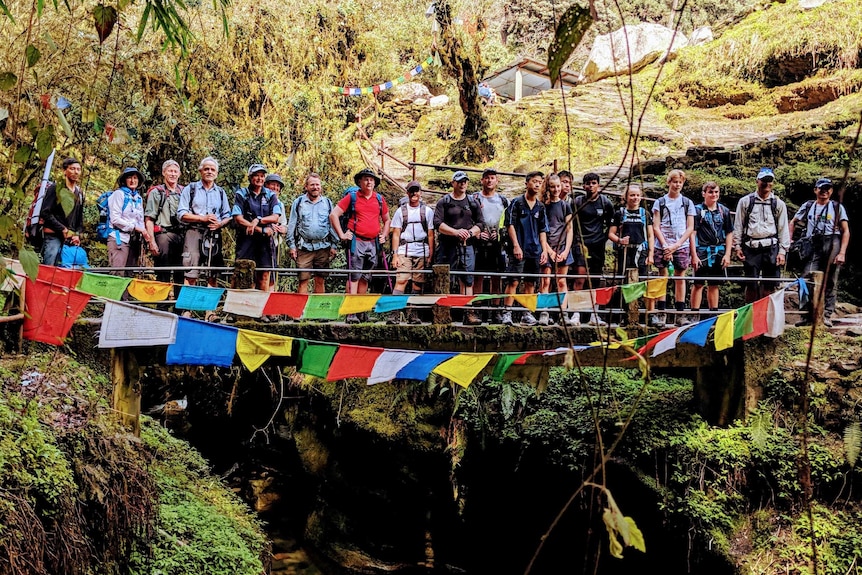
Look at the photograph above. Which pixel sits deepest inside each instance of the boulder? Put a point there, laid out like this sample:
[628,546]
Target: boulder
[647,43]
[438,101]
[700,35]
[809,4]
[411,91]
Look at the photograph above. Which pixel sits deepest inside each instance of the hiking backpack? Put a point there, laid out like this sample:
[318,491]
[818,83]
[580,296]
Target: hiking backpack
[724,214]
[663,209]
[623,211]
[33,224]
[422,219]
[103,228]
[345,217]
[746,214]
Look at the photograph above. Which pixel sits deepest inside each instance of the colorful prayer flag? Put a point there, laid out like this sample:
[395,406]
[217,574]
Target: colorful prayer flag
[150,291]
[323,306]
[280,303]
[50,311]
[389,363]
[199,298]
[254,348]
[656,288]
[110,287]
[353,361]
[202,343]
[314,358]
[724,331]
[357,303]
[247,302]
[463,368]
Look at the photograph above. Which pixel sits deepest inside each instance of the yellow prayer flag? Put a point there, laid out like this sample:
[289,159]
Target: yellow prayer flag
[254,347]
[147,290]
[463,368]
[88,115]
[529,301]
[656,288]
[724,331]
[357,304]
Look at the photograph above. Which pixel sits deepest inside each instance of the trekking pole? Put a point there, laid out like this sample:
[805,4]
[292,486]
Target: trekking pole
[386,267]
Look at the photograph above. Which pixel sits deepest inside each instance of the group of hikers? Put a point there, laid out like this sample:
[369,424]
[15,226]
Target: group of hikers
[549,238]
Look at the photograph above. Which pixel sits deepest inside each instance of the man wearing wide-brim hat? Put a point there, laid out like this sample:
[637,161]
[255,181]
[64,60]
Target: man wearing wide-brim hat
[367,228]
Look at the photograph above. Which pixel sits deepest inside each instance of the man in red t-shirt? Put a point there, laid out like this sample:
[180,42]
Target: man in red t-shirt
[367,229]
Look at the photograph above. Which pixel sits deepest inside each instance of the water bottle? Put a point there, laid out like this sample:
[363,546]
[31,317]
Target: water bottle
[670,268]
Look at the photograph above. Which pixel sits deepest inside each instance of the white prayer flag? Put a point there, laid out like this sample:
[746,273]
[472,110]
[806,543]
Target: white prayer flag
[128,325]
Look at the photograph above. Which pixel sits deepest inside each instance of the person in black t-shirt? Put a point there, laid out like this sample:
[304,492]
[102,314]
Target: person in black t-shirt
[458,221]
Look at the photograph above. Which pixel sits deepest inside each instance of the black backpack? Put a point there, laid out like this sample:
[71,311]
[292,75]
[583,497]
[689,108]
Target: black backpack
[33,224]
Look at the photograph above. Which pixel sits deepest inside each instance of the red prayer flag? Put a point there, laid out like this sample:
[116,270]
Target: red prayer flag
[61,277]
[281,303]
[353,361]
[759,311]
[603,295]
[455,300]
[523,359]
[652,343]
[51,311]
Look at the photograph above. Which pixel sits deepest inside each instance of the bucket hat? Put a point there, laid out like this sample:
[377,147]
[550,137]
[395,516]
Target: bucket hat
[366,172]
[128,171]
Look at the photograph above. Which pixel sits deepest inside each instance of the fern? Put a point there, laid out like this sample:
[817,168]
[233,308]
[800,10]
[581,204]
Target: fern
[853,442]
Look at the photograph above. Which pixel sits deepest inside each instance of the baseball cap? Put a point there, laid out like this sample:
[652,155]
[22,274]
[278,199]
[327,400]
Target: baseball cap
[489,172]
[460,176]
[254,168]
[766,174]
[823,183]
[414,185]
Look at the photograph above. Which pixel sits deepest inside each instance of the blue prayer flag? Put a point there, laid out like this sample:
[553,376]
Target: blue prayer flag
[697,333]
[199,298]
[421,367]
[202,343]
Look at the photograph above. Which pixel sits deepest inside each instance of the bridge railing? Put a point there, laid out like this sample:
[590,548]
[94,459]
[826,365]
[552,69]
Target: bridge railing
[442,280]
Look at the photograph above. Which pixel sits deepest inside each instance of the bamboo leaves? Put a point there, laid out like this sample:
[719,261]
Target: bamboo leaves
[8,80]
[32,55]
[573,24]
[104,18]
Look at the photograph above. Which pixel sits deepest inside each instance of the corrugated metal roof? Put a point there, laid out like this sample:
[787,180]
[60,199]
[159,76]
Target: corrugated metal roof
[534,78]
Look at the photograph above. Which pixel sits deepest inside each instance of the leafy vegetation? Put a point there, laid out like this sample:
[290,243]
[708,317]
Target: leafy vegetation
[70,474]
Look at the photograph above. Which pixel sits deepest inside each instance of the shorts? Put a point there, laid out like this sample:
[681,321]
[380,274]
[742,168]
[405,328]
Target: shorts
[710,272]
[524,266]
[490,258]
[316,259]
[551,265]
[593,260]
[459,258]
[257,248]
[361,257]
[192,255]
[631,256]
[681,260]
[407,265]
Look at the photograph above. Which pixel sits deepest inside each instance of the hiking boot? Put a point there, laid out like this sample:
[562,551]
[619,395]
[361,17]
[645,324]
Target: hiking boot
[571,320]
[827,322]
[683,320]
[352,318]
[544,318]
[472,318]
[413,317]
[657,320]
[496,317]
[596,320]
[506,318]
[528,319]
[393,318]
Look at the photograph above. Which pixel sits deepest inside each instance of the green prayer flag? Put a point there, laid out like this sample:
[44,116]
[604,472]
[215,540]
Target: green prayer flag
[110,287]
[315,358]
[632,292]
[504,362]
[323,306]
[744,323]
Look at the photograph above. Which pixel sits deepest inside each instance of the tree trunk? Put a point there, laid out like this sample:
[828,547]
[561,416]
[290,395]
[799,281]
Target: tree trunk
[474,145]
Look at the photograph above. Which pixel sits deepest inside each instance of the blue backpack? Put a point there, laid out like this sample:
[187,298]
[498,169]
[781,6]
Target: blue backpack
[103,228]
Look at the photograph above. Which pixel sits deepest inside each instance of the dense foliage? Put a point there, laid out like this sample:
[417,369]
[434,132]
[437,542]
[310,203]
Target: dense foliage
[78,494]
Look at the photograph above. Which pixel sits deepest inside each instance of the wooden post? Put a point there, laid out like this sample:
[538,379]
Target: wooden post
[127,388]
[381,154]
[441,314]
[413,165]
[555,166]
[243,274]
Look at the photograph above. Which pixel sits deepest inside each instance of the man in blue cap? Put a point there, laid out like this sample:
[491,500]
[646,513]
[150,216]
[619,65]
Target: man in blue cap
[255,210]
[824,221]
[761,236]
